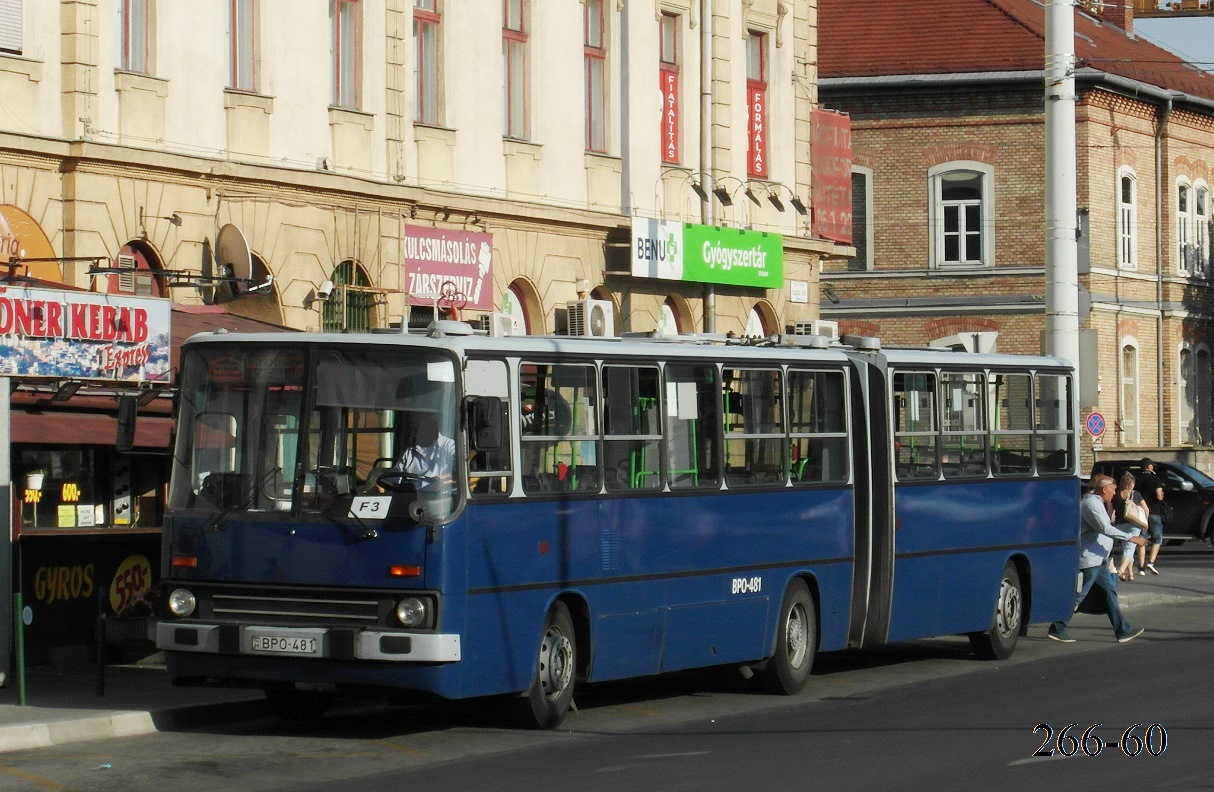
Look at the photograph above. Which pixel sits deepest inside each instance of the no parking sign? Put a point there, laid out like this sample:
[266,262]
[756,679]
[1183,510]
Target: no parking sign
[1095,425]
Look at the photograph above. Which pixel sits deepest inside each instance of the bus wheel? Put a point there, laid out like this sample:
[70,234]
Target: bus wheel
[796,642]
[298,705]
[545,704]
[998,642]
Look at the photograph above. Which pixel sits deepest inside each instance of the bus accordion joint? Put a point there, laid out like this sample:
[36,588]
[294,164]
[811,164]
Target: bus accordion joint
[184,562]
[404,571]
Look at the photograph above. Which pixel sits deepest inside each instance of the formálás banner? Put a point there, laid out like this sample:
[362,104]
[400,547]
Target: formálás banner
[449,264]
[706,254]
[83,335]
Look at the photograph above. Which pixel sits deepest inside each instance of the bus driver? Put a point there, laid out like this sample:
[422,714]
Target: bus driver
[432,454]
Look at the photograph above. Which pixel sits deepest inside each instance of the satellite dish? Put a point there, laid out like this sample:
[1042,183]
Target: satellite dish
[233,260]
[206,288]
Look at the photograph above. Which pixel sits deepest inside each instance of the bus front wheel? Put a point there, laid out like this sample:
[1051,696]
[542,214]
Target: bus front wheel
[550,696]
[796,641]
[998,642]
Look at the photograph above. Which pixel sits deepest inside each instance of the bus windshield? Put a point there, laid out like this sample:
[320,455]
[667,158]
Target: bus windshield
[283,429]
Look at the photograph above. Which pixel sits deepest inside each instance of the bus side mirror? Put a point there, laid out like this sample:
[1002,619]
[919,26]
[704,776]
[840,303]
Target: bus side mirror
[485,423]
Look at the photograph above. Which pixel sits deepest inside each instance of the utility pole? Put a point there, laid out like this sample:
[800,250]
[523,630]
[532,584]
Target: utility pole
[1062,250]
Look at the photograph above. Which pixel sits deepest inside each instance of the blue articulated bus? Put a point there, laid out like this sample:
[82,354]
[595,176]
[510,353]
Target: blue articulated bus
[612,508]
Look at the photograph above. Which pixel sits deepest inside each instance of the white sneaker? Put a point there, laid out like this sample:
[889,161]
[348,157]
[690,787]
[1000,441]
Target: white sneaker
[1151,568]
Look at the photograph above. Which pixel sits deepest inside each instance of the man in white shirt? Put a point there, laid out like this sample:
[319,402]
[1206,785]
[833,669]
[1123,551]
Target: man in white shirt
[432,454]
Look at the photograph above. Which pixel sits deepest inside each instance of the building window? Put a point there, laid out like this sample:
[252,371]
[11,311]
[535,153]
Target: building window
[11,27]
[961,205]
[669,62]
[595,54]
[1127,220]
[133,24]
[1201,231]
[1129,392]
[1193,392]
[756,105]
[347,46]
[243,44]
[861,219]
[348,308]
[1205,387]
[426,20]
[514,62]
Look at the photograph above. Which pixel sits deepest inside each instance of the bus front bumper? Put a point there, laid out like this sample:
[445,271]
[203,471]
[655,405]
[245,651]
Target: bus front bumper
[332,643]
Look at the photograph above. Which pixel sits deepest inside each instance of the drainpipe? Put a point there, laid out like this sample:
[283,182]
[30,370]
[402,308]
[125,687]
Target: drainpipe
[710,293]
[1159,259]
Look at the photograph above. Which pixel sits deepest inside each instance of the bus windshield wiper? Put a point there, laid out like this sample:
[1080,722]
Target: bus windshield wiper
[216,522]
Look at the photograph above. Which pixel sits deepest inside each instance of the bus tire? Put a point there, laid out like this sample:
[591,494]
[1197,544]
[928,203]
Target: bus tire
[999,641]
[550,696]
[786,672]
[298,705]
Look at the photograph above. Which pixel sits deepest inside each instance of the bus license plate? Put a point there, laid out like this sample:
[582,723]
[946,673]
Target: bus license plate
[283,644]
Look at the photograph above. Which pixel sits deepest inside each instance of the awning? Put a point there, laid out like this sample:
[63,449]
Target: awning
[78,428]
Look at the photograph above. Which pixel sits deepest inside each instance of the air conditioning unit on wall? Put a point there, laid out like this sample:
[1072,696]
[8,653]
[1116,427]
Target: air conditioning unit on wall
[500,324]
[591,318]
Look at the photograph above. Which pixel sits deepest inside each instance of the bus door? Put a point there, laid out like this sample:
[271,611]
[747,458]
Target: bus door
[875,521]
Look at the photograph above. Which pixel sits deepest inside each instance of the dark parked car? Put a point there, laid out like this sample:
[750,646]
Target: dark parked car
[1190,492]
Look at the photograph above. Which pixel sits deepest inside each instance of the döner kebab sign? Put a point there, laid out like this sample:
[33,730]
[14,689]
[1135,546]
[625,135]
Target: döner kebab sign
[82,335]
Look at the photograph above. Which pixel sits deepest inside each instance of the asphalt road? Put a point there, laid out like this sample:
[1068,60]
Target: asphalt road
[918,715]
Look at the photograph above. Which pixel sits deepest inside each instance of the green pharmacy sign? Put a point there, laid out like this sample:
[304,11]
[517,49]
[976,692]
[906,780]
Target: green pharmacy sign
[707,254]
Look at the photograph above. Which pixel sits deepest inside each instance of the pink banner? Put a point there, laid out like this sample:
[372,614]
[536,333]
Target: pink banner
[830,155]
[449,263]
[670,115]
[756,131]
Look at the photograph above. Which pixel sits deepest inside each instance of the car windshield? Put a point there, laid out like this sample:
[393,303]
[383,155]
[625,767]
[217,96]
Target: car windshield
[1199,478]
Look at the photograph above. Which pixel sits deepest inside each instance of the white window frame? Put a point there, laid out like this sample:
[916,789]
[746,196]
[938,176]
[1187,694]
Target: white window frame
[1128,382]
[1127,219]
[1201,229]
[1184,198]
[516,83]
[242,44]
[866,174]
[938,208]
[596,75]
[1186,394]
[12,27]
[428,65]
[346,55]
[135,36]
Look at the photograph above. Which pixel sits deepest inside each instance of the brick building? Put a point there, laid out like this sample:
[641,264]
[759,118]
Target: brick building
[948,129]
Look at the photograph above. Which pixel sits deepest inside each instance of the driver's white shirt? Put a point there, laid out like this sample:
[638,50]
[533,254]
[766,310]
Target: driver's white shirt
[431,461]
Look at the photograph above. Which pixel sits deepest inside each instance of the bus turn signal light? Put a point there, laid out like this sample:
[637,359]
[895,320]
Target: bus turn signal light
[402,571]
[188,562]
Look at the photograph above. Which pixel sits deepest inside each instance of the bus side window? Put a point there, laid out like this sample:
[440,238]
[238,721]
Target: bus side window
[693,425]
[817,427]
[756,451]
[916,449]
[558,427]
[632,424]
[489,468]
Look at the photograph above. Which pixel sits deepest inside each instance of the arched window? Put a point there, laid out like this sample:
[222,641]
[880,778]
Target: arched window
[1127,219]
[668,321]
[962,213]
[1184,229]
[349,307]
[1129,391]
[1201,231]
[1186,392]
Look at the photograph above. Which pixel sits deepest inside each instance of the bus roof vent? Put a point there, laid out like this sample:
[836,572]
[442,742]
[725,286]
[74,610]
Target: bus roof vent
[865,343]
[449,327]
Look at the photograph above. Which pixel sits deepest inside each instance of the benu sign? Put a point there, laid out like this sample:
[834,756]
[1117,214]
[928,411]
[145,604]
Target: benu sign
[706,254]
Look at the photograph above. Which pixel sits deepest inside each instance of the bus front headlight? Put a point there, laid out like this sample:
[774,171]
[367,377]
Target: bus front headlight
[182,602]
[411,611]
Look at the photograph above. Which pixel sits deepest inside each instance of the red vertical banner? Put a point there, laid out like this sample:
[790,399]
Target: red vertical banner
[830,158]
[756,130]
[670,115]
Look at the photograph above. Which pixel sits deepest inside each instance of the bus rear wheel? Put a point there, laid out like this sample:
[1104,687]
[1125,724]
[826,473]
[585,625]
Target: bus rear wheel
[796,641]
[550,696]
[998,642]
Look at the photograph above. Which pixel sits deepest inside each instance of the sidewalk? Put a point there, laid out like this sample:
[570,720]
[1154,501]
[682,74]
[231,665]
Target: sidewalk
[63,706]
